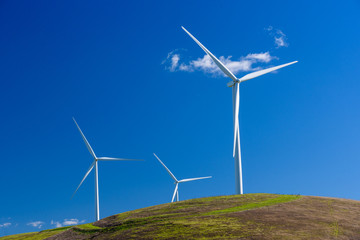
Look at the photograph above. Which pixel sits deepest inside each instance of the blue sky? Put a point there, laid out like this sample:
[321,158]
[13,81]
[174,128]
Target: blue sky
[111,65]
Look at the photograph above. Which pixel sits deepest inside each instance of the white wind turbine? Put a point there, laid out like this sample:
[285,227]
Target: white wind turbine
[95,164]
[176,191]
[235,84]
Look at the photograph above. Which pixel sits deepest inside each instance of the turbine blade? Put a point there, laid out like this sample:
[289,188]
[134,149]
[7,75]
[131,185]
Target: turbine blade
[85,140]
[176,188]
[170,173]
[87,173]
[217,61]
[236,113]
[117,159]
[264,71]
[193,179]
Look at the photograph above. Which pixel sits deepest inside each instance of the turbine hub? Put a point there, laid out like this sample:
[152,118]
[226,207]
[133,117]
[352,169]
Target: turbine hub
[232,83]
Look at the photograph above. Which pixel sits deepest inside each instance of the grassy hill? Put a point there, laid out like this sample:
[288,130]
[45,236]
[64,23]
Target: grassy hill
[249,216]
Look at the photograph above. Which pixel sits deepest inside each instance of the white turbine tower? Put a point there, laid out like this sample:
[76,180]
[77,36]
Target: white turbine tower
[235,84]
[176,192]
[95,164]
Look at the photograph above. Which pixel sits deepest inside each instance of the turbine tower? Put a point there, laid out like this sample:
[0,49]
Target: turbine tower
[235,85]
[176,191]
[95,164]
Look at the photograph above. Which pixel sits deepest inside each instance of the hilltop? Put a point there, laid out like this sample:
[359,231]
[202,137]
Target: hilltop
[248,216]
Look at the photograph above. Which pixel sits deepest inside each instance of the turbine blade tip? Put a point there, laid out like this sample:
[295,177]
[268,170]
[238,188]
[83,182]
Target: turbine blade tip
[185,29]
[72,196]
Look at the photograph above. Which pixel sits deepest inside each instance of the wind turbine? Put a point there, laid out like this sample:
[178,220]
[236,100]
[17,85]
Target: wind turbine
[95,164]
[235,85]
[176,192]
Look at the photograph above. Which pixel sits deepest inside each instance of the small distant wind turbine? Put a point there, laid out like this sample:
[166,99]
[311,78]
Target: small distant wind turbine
[235,84]
[176,192]
[95,163]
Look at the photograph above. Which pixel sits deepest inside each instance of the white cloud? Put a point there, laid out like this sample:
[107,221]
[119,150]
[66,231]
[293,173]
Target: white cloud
[172,61]
[67,222]
[72,221]
[4,225]
[280,42]
[207,65]
[57,224]
[261,57]
[37,224]
[280,38]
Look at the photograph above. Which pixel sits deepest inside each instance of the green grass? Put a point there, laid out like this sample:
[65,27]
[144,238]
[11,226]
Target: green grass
[252,205]
[33,236]
[88,226]
[57,229]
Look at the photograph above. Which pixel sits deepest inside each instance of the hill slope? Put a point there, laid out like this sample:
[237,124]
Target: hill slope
[249,216]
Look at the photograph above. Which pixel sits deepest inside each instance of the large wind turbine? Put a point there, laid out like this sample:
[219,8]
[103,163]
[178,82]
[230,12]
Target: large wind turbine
[95,164]
[235,84]
[176,191]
